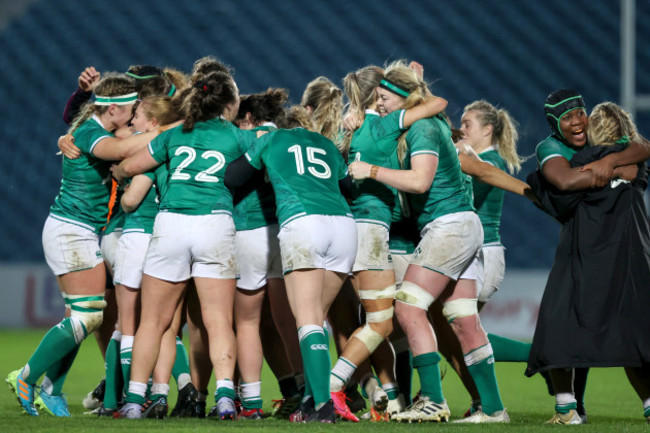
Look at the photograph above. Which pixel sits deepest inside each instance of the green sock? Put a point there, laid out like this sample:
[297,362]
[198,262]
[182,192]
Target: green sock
[428,367]
[316,359]
[56,344]
[307,388]
[126,349]
[56,374]
[392,390]
[509,350]
[182,362]
[480,363]
[114,381]
[225,388]
[136,393]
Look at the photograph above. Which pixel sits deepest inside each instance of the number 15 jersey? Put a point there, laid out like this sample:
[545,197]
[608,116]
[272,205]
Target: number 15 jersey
[304,168]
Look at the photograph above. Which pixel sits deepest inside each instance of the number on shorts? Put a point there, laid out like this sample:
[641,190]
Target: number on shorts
[312,159]
[203,176]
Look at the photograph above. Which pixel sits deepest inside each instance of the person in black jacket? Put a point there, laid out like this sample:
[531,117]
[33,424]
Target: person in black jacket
[593,310]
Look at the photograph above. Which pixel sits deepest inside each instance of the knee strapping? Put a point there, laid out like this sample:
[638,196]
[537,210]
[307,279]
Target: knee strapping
[385,293]
[412,294]
[459,308]
[86,313]
[478,355]
[379,316]
[370,338]
[66,300]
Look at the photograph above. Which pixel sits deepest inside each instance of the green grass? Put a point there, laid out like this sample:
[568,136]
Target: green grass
[611,403]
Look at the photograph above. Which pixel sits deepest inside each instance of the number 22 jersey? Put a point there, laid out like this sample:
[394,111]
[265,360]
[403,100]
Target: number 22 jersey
[197,161]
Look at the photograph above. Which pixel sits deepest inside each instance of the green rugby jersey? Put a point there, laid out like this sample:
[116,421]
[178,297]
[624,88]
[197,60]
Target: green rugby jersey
[448,193]
[304,168]
[197,163]
[550,148]
[86,185]
[469,185]
[141,220]
[488,200]
[257,208]
[376,143]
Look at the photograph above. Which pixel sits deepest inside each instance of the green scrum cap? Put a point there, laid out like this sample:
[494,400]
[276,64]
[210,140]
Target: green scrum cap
[560,103]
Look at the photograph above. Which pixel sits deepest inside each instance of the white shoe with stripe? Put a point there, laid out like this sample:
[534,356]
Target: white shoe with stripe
[424,410]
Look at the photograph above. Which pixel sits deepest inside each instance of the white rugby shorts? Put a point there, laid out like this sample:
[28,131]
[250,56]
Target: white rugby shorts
[184,246]
[449,244]
[258,256]
[372,248]
[319,241]
[400,264]
[129,263]
[69,245]
[494,269]
[108,245]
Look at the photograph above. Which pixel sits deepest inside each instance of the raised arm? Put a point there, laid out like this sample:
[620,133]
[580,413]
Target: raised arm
[87,81]
[431,106]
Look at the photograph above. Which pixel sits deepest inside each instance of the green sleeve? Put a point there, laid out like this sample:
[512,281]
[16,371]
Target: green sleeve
[548,149]
[254,153]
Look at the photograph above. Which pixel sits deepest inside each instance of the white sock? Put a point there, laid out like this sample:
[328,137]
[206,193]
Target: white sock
[183,380]
[137,388]
[126,343]
[646,403]
[225,383]
[370,384]
[341,373]
[565,398]
[47,386]
[160,389]
[252,390]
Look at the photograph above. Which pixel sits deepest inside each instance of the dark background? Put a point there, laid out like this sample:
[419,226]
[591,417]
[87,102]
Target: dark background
[509,52]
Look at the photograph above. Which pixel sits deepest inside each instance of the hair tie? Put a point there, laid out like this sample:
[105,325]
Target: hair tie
[201,85]
[394,88]
[624,140]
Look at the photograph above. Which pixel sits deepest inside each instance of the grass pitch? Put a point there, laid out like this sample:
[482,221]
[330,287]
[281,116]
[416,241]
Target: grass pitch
[611,403]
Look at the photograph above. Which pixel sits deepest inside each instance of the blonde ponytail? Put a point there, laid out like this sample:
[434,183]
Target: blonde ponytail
[504,131]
